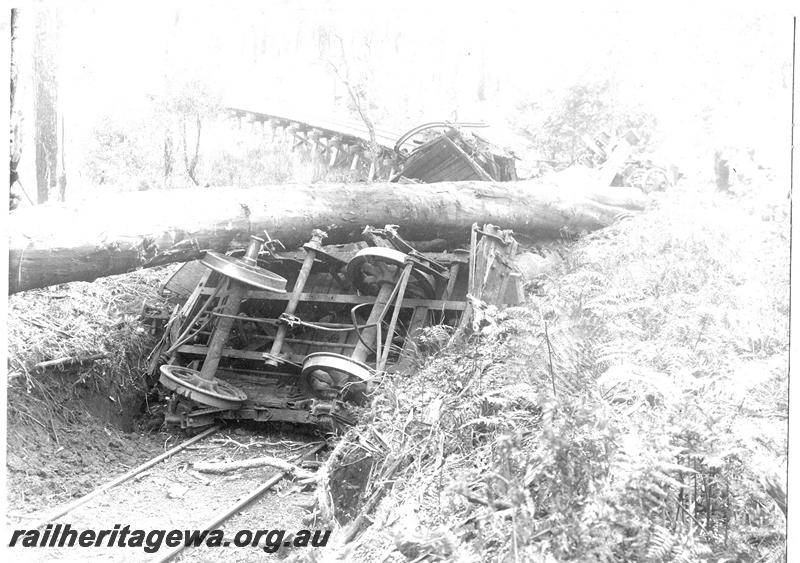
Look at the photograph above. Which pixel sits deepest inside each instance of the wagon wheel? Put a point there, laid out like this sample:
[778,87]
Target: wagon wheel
[328,376]
[398,147]
[213,392]
[372,266]
[241,271]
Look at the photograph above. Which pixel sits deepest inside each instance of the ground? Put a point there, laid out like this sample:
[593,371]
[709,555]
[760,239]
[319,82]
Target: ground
[173,496]
[75,428]
[43,472]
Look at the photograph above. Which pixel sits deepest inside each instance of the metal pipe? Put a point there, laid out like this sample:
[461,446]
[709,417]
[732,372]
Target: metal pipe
[207,305]
[318,343]
[380,362]
[348,327]
[369,335]
[121,479]
[359,328]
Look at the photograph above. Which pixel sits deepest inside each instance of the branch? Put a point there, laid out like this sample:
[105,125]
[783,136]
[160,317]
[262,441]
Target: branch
[228,466]
[355,98]
[69,361]
[196,149]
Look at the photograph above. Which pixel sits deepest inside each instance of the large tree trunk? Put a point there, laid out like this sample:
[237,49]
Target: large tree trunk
[118,233]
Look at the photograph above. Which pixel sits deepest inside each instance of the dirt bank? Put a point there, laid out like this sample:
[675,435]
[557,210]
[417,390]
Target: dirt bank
[74,425]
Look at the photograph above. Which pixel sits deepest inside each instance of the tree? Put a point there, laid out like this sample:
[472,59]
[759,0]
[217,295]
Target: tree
[358,99]
[50,172]
[14,117]
[190,102]
[189,98]
[585,109]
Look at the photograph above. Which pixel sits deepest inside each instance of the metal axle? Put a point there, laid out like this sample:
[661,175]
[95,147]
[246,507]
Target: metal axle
[308,263]
[222,330]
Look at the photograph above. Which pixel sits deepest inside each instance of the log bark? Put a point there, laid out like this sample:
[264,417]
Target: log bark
[118,233]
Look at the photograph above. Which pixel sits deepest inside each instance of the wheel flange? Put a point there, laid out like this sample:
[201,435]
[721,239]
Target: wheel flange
[213,392]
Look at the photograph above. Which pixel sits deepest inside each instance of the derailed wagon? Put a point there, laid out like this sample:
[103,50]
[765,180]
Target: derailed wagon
[304,336]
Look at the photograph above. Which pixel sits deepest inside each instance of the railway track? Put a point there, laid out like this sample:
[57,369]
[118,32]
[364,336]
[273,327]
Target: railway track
[166,493]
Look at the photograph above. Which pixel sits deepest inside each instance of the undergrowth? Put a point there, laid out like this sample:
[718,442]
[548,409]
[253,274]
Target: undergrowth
[635,409]
[123,157]
[77,320]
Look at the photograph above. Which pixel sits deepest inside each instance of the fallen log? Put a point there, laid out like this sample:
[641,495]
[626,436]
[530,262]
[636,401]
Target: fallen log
[52,244]
[266,461]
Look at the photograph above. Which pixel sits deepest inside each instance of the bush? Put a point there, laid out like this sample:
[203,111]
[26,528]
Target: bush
[629,413]
[556,128]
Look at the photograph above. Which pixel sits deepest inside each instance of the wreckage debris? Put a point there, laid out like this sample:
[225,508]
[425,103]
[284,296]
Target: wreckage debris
[240,347]
[612,157]
[453,155]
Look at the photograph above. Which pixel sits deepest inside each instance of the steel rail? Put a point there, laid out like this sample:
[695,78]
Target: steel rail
[121,479]
[239,505]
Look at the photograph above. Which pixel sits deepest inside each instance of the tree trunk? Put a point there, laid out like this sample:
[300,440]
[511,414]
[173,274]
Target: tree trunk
[14,114]
[167,157]
[62,158]
[120,232]
[45,59]
[191,164]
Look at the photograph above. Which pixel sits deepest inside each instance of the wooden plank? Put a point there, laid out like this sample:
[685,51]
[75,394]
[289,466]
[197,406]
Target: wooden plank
[515,293]
[183,281]
[459,170]
[451,281]
[478,169]
[426,164]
